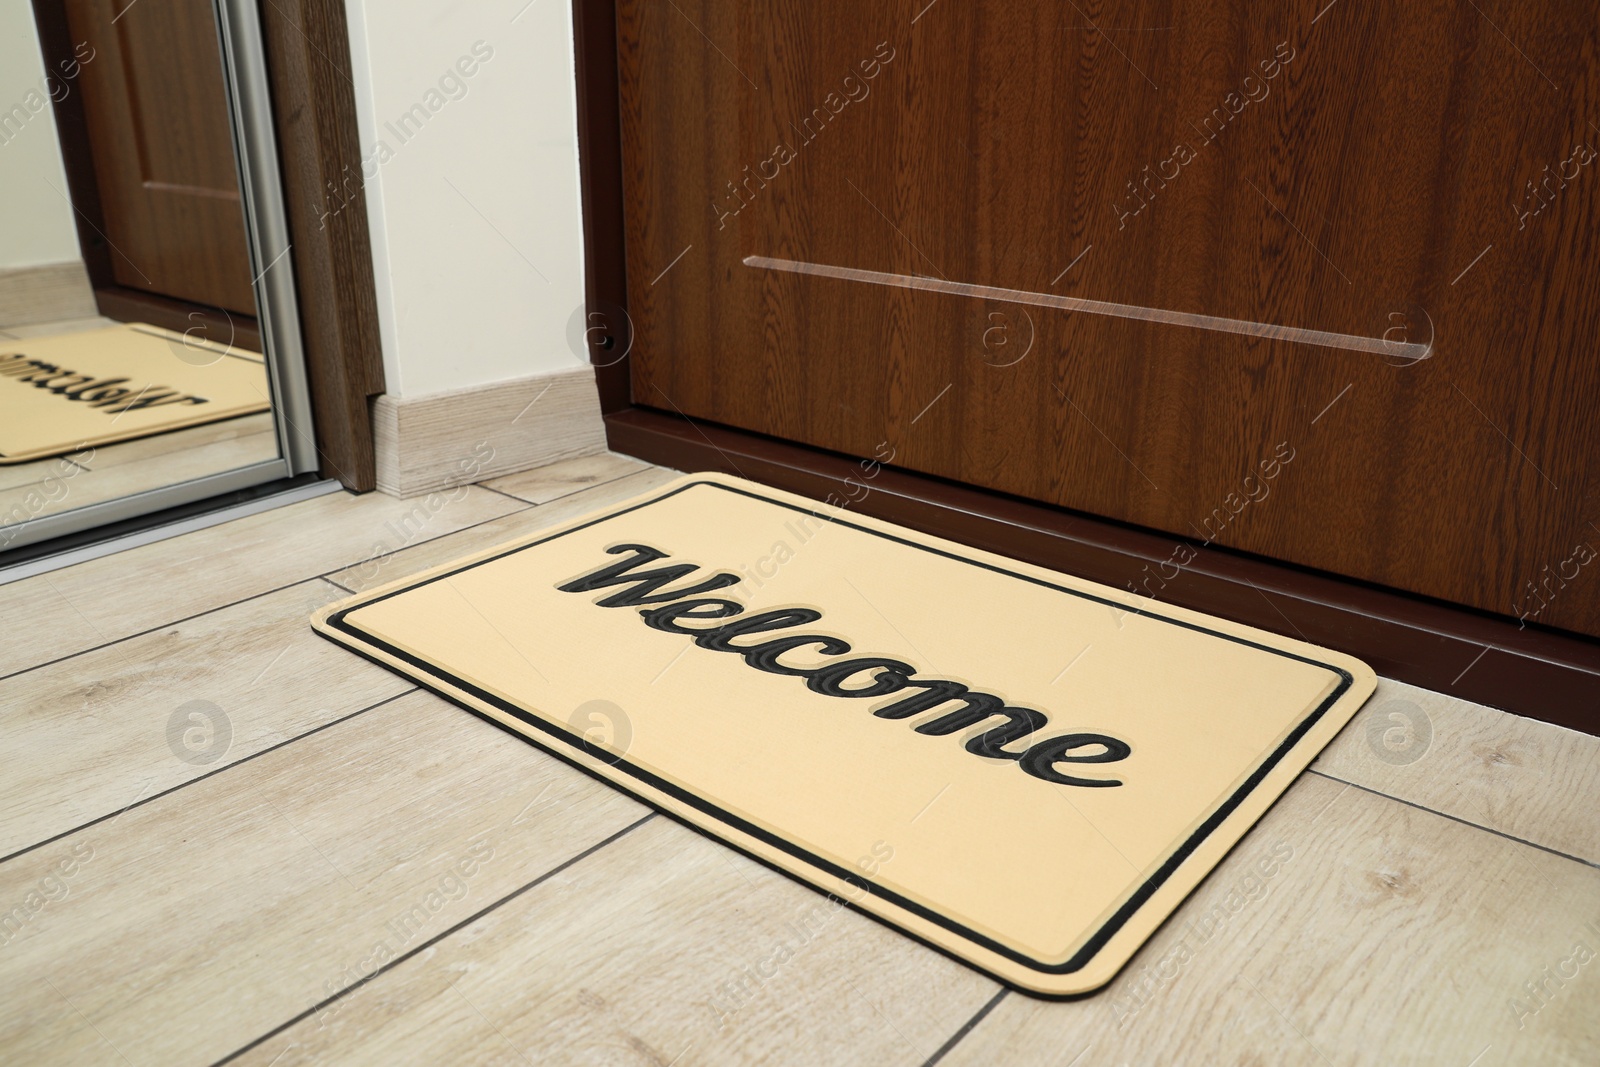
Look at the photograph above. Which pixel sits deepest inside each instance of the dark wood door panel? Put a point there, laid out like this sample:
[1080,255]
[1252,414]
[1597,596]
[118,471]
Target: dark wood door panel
[1171,263]
[157,116]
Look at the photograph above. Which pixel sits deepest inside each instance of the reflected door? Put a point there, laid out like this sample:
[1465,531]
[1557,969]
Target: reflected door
[157,117]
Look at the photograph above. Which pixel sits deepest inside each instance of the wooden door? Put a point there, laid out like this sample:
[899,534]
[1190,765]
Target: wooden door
[1314,281]
[159,134]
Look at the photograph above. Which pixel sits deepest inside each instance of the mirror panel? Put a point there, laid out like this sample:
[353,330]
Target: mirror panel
[133,372]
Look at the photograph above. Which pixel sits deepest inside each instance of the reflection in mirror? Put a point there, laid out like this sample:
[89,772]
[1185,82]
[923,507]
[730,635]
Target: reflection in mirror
[130,356]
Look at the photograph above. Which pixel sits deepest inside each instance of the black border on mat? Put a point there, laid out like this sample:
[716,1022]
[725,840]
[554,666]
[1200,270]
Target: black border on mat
[573,741]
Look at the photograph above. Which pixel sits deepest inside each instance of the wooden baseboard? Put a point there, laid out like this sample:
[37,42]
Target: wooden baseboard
[1544,674]
[50,292]
[434,442]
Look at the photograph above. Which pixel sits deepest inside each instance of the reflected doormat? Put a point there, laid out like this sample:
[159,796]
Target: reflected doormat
[1023,769]
[72,391]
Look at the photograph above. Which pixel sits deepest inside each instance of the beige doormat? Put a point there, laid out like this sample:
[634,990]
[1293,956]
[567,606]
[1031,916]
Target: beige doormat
[67,392]
[1022,769]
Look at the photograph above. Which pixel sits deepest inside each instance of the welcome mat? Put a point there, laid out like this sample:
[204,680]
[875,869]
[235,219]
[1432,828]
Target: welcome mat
[1023,769]
[67,392]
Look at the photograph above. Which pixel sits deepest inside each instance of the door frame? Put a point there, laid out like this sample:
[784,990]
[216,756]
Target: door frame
[1489,659]
[292,85]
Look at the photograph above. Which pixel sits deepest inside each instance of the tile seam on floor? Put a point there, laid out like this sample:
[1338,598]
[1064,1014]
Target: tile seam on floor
[527,505]
[140,802]
[967,1027]
[159,626]
[1454,818]
[518,499]
[246,599]
[563,496]
[449,931]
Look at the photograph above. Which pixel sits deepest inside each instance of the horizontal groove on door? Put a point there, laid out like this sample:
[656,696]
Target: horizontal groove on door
[1400,352]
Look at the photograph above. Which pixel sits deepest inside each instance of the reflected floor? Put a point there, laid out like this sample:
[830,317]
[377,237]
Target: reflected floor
[57,484]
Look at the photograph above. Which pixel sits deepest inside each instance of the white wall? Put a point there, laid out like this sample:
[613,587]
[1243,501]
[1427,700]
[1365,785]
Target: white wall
[475,217]
[35,222]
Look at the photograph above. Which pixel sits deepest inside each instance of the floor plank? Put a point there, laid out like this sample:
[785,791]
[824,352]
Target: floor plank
[37,487]
[1382,934]
[31,474]
[191,925]
[116,722]
[94,475]
[662,948]
[174,443]
[119,470]
[1522,777]
[377,570]
[558,479]
[107,599]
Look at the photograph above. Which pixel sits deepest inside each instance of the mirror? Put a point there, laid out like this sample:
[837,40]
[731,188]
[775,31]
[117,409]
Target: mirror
[133,373]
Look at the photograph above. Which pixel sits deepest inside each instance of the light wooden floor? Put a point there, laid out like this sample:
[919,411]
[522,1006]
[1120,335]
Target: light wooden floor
[227,840]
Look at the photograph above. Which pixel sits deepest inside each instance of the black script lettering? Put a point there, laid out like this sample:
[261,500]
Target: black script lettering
[66,390]
[883,675]
[152,400]
[937,691]
[99,389]
[764,657]
[1040,760]
[645,583]
[721,639]
[666,617]
[1020,722]
[893,676]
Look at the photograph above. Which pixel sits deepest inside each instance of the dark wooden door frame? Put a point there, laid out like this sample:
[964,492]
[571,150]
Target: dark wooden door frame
[1534,671]
[319,150]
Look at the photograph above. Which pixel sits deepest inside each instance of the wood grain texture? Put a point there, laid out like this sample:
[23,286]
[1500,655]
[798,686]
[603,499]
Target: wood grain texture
[51,292]
[307,44]
[93,475]
[112,721]
[433,442]
[662,948]
[90,321]
[553,480]
[107,599]
[58,46]
[175,444]
[312,863]
[29,490]
[1382,934]
[391,566]
[1517,776]
[161,139]
[15,476]
[1342,192]
[150,462]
